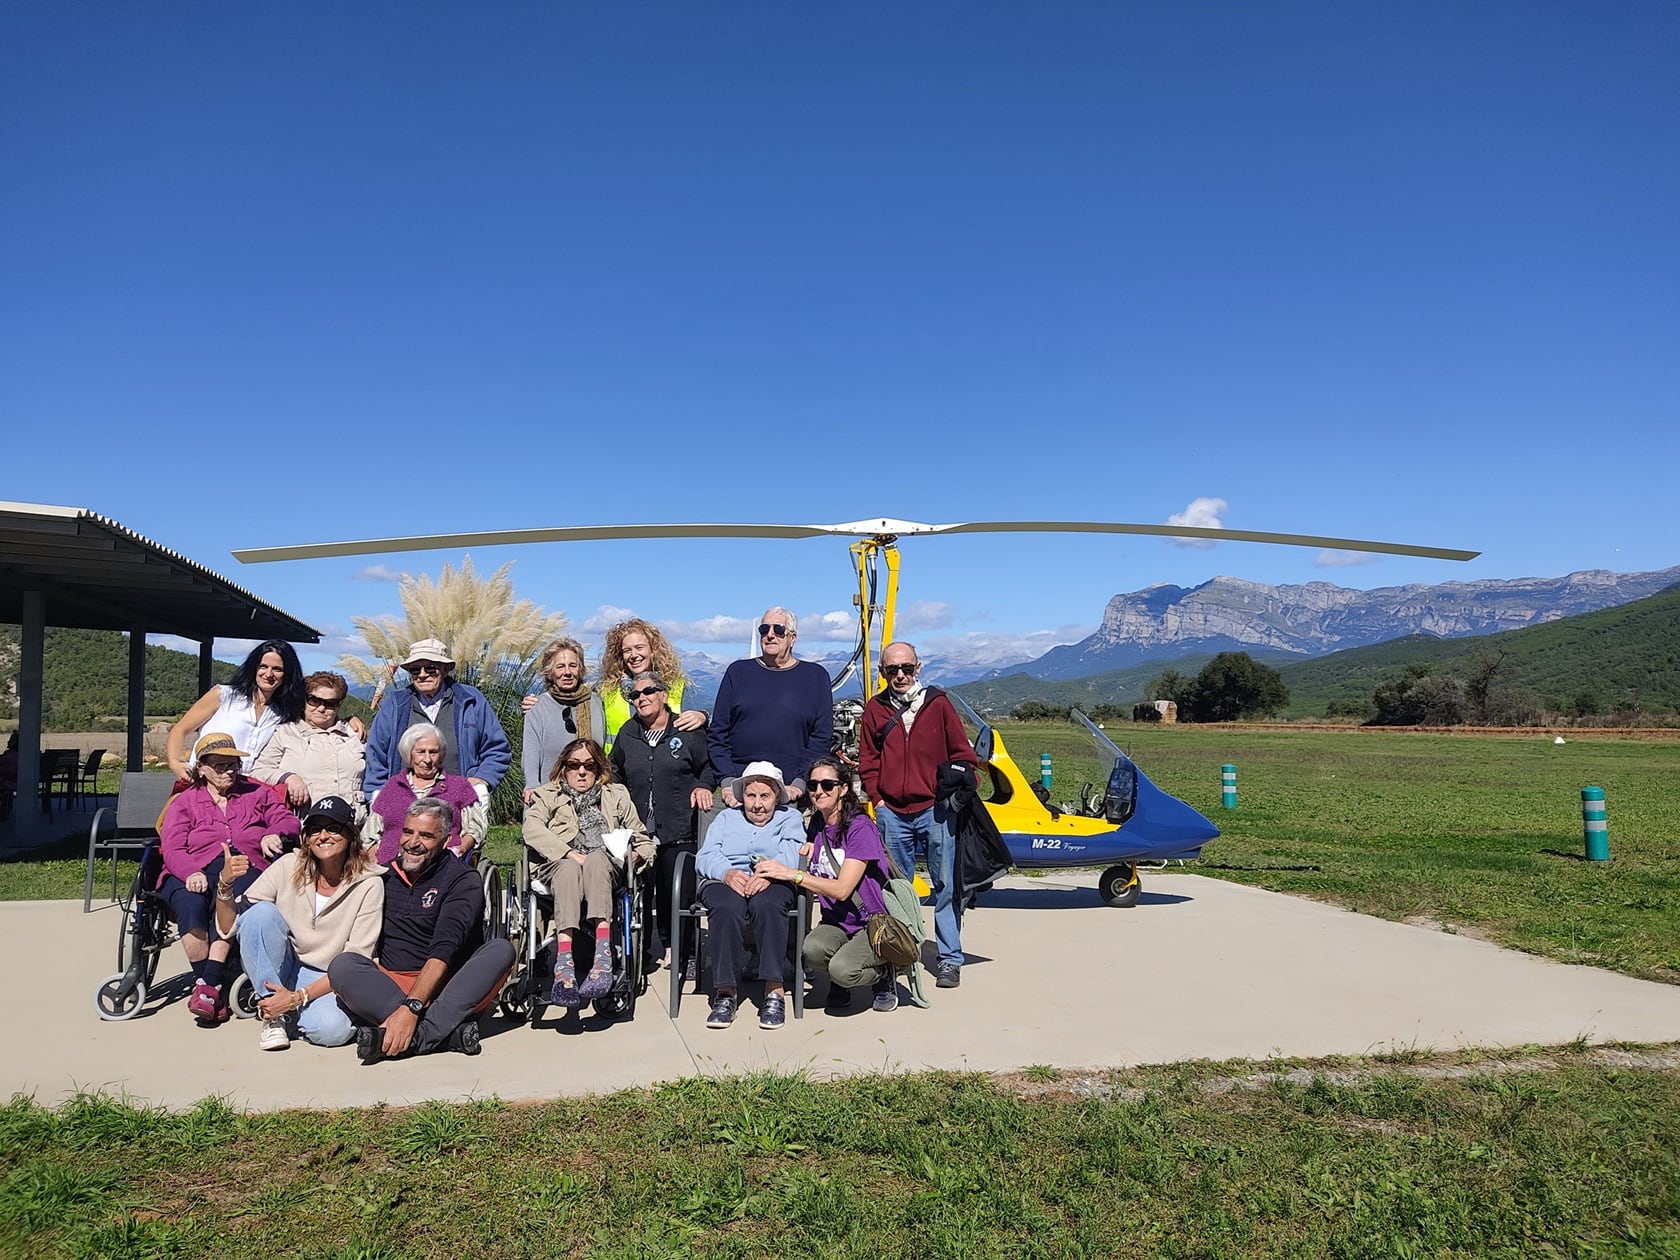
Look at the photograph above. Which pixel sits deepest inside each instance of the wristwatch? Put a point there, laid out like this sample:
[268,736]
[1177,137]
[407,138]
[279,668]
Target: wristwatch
[416,1007]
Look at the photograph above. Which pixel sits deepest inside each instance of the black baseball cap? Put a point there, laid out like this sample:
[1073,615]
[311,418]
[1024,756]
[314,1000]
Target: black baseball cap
[333,808]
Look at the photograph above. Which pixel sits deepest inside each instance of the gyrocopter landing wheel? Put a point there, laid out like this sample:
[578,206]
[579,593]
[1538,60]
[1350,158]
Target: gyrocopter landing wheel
[1120,886]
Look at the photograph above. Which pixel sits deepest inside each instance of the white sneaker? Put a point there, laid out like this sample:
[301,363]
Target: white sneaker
[273,1036]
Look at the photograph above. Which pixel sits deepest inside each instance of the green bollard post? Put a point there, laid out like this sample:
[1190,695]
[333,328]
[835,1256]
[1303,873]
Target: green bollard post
[1044,770]
[1228,786]
[1595,824]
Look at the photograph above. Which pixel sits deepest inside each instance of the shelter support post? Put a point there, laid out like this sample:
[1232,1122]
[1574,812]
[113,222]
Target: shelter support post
[27,811]
[206,655]
[136,698]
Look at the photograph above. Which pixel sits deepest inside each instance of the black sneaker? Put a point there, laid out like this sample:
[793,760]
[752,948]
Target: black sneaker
[370,1044]
[723,1011]
[949,975]
[886,991]
[839,999]
[465,1039]
[773,1012]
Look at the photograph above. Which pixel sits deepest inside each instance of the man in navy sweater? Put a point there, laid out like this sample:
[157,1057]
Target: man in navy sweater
[771,708]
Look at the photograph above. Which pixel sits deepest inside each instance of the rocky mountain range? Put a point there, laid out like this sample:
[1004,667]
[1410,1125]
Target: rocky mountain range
[1230,614]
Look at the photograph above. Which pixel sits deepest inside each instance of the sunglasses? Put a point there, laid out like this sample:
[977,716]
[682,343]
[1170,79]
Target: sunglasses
[425,667]
[889,670]
[580,765]
[326,829]
[325,702]
[775,632]
[220,766]
[645,691]
[824,785]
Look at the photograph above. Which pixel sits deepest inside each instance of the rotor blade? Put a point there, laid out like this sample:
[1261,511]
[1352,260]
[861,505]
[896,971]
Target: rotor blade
[877,527]
[1197,531]
[509,537]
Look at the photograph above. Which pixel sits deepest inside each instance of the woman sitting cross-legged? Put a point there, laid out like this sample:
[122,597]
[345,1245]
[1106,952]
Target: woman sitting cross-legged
[313,904]
[566,823]
[737,841]
[848,867]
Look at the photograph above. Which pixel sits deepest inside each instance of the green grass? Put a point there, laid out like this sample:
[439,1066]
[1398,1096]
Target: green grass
[1481,833]
[1569,1159]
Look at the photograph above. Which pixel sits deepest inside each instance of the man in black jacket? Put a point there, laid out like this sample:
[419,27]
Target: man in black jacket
[436,973]
[668,775]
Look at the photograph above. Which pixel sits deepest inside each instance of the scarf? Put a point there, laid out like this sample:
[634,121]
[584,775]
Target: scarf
[909,704]
[592,823]
[577,701]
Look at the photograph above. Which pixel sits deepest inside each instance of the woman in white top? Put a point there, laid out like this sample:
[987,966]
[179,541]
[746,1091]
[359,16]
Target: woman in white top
[264,692]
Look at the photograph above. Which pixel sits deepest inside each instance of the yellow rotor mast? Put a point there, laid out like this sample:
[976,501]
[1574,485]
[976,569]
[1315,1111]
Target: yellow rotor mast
[867,555]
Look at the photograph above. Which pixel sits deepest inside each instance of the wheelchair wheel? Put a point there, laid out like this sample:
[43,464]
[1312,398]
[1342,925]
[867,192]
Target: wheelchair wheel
[243,997]
[495,904]
[120,996]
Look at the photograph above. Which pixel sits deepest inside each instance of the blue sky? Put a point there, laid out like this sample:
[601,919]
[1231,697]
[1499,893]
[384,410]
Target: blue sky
[306,272]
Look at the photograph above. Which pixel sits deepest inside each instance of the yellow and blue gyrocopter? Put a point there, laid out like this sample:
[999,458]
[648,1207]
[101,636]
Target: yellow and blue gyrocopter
[1122,822]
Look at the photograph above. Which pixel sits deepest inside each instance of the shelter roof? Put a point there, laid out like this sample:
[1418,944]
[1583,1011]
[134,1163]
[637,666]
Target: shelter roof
[98,575]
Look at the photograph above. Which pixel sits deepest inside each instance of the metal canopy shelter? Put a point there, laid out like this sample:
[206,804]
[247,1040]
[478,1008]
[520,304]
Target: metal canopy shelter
[69,567]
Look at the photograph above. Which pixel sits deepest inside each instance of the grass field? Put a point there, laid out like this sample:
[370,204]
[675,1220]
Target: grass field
[1561,1158]
[1479,833]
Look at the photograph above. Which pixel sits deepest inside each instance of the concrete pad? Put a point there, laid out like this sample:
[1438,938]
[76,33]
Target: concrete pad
[1199,969]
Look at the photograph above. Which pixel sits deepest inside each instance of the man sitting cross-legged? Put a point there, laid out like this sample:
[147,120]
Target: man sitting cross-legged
[435,973]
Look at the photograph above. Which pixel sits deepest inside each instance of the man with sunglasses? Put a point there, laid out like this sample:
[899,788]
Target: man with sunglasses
[475,745]
[771,707]
[668,775]
[908,732]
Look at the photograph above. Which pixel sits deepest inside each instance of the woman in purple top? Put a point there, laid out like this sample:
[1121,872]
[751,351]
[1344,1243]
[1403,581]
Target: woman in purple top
[421,750]
[848,866]
[221,813]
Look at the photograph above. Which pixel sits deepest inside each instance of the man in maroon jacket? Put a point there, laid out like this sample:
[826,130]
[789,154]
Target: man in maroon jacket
[909,731]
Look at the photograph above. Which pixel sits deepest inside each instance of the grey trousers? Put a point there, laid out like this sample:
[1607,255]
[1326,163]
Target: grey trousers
[368,995]
[576,886]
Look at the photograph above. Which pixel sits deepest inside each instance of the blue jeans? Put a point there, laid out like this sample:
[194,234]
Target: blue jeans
[931,832]
[265,946]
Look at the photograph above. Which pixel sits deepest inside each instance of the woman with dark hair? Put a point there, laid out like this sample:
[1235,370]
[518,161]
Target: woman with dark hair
[263,692]
[319,756]
[848,866]
[567,823]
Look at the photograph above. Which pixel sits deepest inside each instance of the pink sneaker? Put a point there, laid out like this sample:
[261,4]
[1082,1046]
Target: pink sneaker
[208,1004]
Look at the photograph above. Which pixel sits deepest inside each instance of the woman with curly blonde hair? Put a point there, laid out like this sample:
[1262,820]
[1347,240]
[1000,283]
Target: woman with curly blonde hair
[634,646]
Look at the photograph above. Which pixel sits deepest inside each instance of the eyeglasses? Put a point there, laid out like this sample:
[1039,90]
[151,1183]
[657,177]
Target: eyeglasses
[824,785]
[326,829]
[580,765]
[325,702]
[218,766]
[425,667]
[889,670]
[645,691]
[774,632]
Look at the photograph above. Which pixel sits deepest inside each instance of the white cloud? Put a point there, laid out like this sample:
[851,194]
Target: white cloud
[376,573]
[718,629]
[926,614]
[828,627]
[605,618]
[980,649]
[1343,559]
[1201,514]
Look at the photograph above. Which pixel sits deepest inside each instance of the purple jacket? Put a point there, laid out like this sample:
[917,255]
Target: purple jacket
[395,798]
[194,830]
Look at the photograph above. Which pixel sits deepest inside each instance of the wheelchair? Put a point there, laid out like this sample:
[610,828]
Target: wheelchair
[688,950]
[146,929]
[526,918]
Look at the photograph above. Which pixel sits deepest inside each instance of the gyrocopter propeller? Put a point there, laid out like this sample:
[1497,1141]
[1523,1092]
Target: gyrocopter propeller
[1129,823]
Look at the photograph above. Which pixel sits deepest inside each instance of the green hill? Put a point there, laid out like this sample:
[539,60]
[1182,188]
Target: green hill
[1618,656]
[84,683]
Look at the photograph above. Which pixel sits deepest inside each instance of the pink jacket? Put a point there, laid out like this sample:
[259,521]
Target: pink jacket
[194,830]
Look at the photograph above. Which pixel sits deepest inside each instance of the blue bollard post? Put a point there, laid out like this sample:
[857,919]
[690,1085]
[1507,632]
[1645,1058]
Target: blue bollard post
[1595,824]
[1044,770]
[1228,786]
